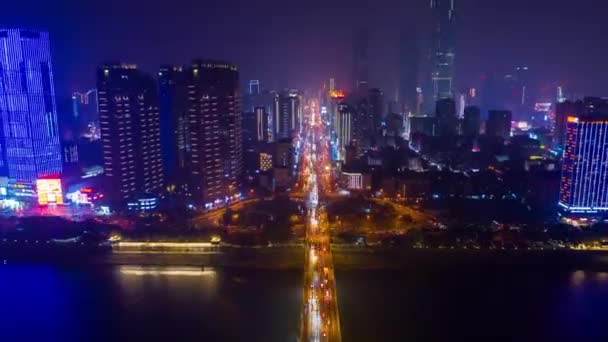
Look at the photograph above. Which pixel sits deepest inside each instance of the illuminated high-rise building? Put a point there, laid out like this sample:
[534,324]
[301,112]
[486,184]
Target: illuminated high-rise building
[442,49]
[173,94]
[584,183]
[344,127]
[129,118]
[287,114]
[588,106]
[29,139]
[562,111]
[214,130]
[261,123]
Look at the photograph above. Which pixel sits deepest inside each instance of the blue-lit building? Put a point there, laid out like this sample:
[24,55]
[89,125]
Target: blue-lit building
[29,134]
[584,183]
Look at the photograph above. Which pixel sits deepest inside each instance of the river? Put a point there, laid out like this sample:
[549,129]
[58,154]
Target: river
[130,303]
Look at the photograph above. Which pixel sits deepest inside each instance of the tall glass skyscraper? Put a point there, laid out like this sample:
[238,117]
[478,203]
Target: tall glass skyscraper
[29,135]
[584,184]
[442,50]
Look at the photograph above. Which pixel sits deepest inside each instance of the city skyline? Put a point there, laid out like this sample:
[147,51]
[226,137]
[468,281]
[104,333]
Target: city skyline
[310,171]
[280,58]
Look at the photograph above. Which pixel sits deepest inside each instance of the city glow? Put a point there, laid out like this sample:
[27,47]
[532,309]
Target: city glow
[49,191]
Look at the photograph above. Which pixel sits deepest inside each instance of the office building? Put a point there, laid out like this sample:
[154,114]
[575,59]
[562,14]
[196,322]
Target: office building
[584,183]
[499,124]
[261,123]
[562,112]
[129,117]
[588,106]
[445,112]
[287,114]
[361,61]
[442,49]
[344,128]
[283,163]
[472,121]
[175,148]
[29,139]
[334,99]
[408,72]
[214,130]
[376,109]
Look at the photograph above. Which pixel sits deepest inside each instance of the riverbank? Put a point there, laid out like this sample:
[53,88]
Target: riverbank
[352,258]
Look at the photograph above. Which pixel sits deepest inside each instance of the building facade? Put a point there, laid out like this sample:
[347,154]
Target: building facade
[261,124]
[499,124]
[29,140]
[472,121]
[129,118]
[584,183]
[173,94]
[345,128]
[442,49]
[214,130]
[287,114]
[376,109]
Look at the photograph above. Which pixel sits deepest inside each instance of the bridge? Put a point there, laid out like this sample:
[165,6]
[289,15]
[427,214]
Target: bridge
[320,316]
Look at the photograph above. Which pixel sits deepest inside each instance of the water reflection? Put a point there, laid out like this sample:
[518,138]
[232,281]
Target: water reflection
[577,278]
[167,271]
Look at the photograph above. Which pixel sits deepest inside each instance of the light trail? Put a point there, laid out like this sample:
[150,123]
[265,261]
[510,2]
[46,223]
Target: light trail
[320,321]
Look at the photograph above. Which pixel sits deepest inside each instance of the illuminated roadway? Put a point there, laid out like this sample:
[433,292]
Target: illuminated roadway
[320,317]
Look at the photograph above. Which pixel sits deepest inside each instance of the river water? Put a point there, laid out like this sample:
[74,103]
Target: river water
[130,303]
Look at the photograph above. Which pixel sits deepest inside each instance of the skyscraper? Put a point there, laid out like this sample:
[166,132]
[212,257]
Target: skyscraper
[408,71]
[472,121]
[344,128]
[361,61]
[376,109]
[29,139]
[287,114]
[562,112]
[588,106]
[214,130]
[499,124]
[261,123]
[129,119]
[173,93]
[445,112]
[584,183]
[442,49]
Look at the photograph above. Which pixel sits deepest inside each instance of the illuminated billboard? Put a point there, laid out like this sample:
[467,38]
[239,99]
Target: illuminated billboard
[337,94]
[49,191]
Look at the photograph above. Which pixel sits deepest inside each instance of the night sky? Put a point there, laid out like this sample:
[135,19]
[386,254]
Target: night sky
[301,44]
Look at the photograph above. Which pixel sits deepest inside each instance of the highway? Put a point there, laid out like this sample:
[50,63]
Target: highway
[320,315]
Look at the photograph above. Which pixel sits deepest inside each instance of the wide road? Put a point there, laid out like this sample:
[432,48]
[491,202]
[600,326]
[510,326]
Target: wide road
[320,316]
